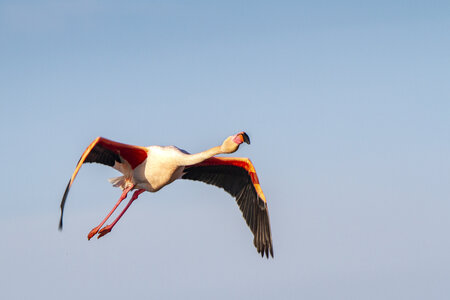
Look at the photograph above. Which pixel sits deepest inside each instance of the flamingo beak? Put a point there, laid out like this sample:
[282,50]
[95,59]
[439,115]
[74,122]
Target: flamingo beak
[241,137]
[245,137]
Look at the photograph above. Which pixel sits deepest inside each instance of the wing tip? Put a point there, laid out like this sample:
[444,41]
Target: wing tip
[264,245]
[63,203]
[266,251]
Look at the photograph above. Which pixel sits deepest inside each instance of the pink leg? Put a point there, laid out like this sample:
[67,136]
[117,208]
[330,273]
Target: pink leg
[108,228]
[122,197]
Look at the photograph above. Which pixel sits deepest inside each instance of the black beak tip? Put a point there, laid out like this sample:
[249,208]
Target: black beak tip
[246,138]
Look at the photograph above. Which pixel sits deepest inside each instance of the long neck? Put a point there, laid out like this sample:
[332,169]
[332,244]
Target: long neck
[192,159]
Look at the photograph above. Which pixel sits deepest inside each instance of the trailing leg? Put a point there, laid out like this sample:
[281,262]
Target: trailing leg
[122,197]
[108,228]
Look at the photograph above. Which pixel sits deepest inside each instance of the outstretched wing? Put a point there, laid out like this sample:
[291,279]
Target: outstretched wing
[237,176]
[106,152]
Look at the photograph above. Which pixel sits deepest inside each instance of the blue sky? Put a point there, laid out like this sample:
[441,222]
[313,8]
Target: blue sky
[348,108]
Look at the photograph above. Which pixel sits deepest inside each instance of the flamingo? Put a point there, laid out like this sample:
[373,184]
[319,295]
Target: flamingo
[151,168]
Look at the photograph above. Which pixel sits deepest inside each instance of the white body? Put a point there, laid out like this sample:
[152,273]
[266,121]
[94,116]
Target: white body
[163,165]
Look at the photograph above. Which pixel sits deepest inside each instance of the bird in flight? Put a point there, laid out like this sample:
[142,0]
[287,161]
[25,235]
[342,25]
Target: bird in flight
[151,168]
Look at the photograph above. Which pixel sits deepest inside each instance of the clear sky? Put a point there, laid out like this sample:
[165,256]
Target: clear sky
[347,104]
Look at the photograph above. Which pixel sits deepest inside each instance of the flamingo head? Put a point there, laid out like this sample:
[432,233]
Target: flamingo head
[231,144]
[240,138]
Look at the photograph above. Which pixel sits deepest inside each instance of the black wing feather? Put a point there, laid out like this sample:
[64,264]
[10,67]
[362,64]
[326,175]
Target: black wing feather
[237,182]
[100,154]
